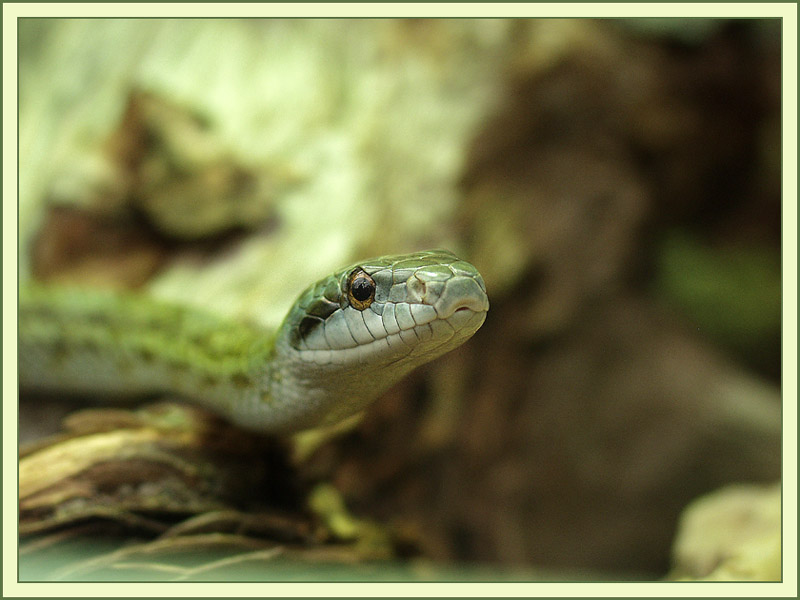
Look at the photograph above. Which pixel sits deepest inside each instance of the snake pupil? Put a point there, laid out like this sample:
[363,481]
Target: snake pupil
[362,289]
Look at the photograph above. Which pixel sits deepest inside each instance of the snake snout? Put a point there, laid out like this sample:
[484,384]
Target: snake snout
[461,293]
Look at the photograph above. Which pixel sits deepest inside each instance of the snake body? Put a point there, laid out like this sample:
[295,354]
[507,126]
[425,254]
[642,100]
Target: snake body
[345,340]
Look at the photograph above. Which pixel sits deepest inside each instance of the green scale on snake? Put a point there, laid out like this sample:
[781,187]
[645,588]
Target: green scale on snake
[345,340]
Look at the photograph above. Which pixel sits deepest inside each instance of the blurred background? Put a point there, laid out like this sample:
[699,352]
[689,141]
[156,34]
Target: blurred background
[616,182]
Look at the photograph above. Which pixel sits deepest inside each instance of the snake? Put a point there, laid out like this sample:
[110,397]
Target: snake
[343,343]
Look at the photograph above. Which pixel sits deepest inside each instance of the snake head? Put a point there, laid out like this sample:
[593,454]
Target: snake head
[353,334]
[387,308]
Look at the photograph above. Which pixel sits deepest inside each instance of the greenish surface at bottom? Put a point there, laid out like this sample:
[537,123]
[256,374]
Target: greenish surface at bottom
[80,561]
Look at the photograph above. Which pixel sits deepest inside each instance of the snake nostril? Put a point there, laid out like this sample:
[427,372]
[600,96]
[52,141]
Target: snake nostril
[416,289]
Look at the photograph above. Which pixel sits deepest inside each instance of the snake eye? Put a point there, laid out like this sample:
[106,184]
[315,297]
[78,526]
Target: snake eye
[360,290]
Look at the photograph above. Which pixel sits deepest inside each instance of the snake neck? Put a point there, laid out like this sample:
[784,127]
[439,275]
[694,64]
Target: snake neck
[119,344]
[304,393]
[109,345]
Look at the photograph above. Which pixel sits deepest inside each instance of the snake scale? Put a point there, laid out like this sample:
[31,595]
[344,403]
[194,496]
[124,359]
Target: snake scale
[345,340]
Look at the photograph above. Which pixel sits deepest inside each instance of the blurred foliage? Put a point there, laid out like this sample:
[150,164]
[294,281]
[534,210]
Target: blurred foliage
[732,294]
[685,30]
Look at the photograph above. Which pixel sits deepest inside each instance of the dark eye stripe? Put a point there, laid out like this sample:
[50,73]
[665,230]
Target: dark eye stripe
[304,329]
[322,308]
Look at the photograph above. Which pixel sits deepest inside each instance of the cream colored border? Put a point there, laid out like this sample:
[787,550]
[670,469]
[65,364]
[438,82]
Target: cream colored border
[789,14]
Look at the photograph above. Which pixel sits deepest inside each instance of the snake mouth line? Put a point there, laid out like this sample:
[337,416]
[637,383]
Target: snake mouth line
[442,343]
